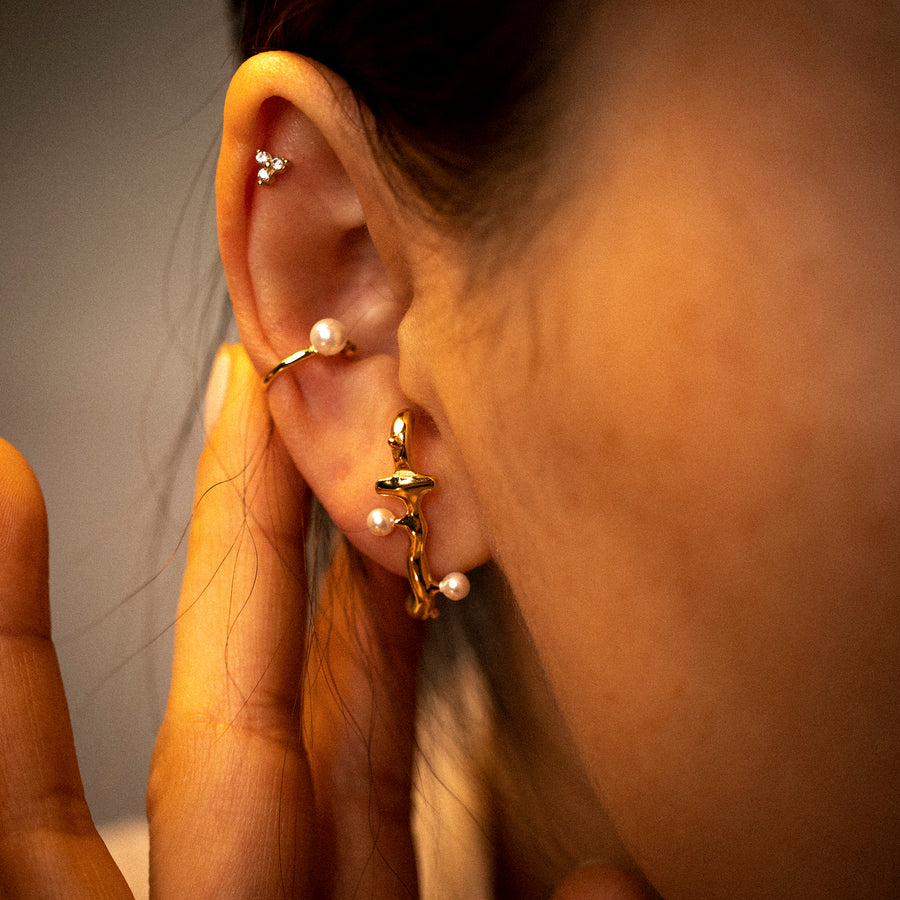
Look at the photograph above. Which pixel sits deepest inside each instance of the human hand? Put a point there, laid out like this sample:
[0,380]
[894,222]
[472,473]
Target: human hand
[277,773]
[240,804]
[48,844]
[272,778]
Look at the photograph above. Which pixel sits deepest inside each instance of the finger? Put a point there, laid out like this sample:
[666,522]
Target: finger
[48,844]
[359,731]
[229,797]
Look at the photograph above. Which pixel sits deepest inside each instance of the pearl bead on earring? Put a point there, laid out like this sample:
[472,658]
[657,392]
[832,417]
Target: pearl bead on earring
[328,337]
[454,586]
[380,522]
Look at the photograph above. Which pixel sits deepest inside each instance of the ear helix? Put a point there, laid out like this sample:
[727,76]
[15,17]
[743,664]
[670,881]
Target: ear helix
[411,487]
[328,337]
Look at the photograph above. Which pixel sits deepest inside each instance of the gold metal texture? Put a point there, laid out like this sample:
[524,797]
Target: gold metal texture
[411,487]
[348,352]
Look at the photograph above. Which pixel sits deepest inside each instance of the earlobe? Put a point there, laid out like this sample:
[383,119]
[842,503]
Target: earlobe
[299,248]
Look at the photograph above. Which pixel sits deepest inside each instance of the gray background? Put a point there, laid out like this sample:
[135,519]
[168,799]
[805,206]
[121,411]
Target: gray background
[110,122]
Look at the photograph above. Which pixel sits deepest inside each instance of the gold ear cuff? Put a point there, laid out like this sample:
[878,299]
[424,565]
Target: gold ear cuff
[328,337]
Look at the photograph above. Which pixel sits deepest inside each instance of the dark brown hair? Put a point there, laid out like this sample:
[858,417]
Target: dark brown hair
[459,90]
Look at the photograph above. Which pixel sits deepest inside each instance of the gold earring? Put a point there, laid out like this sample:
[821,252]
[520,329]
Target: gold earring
[271,166]
[328,337]
[411,487]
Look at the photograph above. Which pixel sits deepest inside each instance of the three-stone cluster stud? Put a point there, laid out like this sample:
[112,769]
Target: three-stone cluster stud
[271,166]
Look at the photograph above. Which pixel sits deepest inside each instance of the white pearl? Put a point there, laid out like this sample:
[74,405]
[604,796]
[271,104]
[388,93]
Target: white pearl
[454,586]
[380,522]
[328,337]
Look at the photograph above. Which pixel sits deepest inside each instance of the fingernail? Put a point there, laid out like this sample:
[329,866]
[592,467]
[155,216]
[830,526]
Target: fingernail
[216,390]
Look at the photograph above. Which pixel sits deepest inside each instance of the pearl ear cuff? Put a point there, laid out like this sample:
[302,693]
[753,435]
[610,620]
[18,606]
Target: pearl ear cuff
[411,487]
[328,337]
[271,166]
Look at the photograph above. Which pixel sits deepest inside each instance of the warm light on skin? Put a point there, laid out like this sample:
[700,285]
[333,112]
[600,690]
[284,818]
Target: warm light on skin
[674,419]
[299,251]
[701,437]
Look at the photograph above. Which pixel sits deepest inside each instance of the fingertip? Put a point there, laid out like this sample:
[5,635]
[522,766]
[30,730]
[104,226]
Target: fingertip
[231,376]
[21,498]
[24,567]
[243,473]
[230,417]
[216,389]
[235,404]
[23,519]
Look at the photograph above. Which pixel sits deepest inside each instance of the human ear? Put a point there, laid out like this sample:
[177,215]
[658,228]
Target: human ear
[327,238]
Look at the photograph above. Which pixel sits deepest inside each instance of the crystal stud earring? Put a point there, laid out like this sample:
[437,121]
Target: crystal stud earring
[271,166]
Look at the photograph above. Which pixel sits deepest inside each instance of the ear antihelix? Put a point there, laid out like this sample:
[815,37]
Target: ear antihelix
[328,337]
[411,487]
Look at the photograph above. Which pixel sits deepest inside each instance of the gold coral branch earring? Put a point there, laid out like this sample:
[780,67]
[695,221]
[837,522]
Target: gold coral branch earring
[411,487]
[328,337]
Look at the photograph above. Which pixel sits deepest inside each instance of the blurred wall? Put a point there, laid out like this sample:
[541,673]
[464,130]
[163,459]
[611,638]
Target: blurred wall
[110,121]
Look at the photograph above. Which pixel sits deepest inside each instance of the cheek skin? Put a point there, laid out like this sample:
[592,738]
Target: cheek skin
[709,572]
[683,434]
